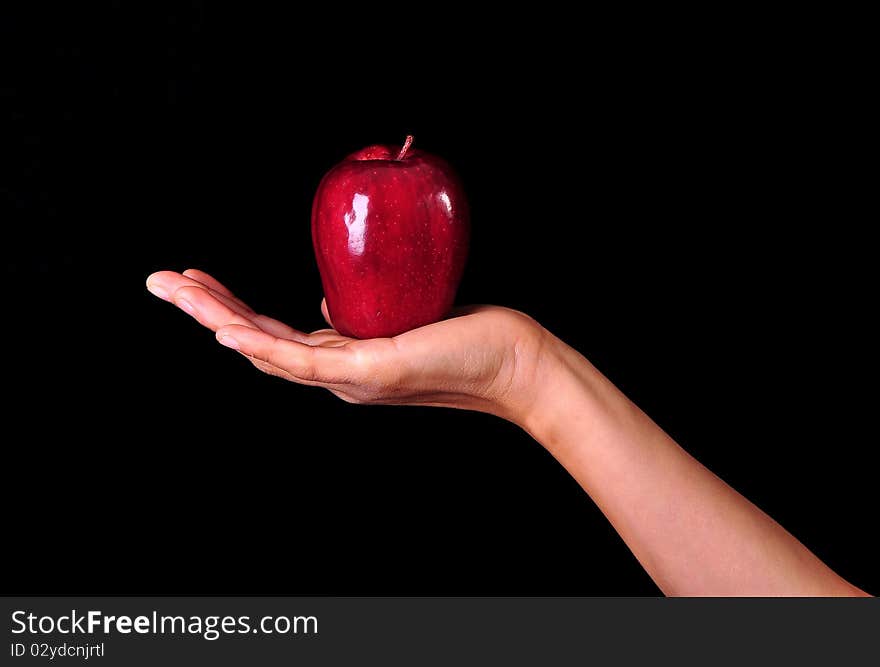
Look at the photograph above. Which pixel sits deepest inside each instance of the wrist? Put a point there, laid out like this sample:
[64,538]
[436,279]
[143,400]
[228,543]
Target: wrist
[564,391]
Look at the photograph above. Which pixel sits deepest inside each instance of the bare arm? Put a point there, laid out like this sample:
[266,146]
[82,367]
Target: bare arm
[692,533]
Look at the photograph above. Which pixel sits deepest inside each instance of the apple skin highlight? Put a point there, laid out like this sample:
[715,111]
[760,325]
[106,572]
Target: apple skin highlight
[390,228]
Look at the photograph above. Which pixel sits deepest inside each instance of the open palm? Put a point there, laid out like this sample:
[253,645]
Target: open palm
[483,358]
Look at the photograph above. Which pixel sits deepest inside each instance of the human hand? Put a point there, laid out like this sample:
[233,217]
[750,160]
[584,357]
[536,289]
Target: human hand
[693,533]
[483,358]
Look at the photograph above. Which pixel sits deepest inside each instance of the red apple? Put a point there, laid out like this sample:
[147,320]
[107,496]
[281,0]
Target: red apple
[390,228]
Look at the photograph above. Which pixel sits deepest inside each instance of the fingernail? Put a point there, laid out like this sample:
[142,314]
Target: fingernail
[229,341]
[155,290]
[186,306]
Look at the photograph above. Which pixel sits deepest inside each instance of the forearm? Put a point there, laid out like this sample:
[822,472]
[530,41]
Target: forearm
[693,533]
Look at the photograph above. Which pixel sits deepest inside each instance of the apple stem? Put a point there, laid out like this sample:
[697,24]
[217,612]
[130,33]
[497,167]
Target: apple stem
[406,145]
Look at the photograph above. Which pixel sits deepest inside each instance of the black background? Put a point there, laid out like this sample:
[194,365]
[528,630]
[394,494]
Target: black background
[679,206]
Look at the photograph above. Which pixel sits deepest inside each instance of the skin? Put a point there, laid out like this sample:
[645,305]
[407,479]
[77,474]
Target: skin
[692,533]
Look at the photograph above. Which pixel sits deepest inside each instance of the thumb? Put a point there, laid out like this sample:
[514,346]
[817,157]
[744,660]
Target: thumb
[326,313]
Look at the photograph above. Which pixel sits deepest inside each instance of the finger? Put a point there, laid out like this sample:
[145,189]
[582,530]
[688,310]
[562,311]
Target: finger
[280,329]
[327,336]
[214,310]
[170,281]
[157,287]
[211,282]
[208,281]
[165,283]
[269,369]
[264,322]
[326,313]
[305,363]
[233,304]
[207,308]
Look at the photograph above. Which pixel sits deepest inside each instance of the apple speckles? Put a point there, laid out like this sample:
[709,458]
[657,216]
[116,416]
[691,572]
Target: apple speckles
[394,262]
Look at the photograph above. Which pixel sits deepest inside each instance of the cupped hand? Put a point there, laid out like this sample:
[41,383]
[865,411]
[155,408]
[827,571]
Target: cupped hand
[482,358]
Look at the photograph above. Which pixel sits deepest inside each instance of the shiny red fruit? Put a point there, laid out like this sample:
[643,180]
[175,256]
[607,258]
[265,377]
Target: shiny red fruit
[390,228]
